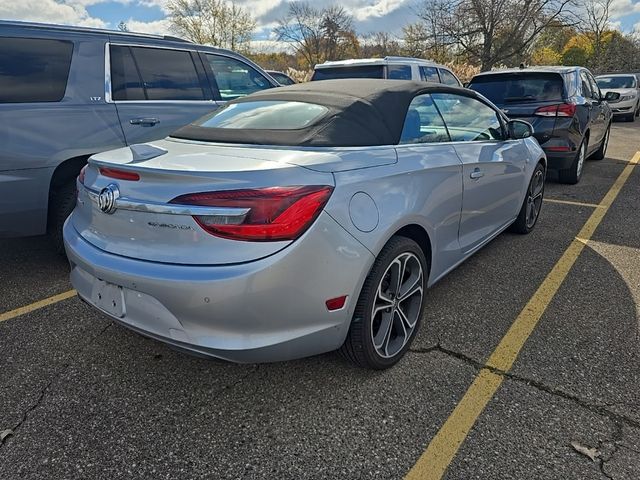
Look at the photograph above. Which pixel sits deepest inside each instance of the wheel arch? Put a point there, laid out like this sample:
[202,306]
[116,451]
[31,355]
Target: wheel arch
[418,234]
[66,171]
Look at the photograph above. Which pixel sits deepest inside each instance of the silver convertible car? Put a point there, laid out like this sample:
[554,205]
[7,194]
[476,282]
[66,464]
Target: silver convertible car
[301,219]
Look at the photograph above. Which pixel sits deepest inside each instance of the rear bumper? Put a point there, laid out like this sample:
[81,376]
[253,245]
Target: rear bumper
[560,160]
[268,310]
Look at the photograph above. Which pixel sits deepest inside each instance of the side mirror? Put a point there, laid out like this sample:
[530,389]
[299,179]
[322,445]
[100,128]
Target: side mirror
[519,129]
[611,96]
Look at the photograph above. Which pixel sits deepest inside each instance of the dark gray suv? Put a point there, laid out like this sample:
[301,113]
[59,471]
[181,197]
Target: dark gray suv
[569,114]
[67,93]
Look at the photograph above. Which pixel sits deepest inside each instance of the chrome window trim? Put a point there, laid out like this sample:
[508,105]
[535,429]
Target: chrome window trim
[125,203]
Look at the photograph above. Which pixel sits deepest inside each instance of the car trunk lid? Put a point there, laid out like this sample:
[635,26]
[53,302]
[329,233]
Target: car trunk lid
[143,229]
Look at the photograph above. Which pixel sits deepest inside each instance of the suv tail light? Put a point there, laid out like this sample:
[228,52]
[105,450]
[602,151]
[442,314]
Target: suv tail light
[275,213]
[119,174]
[561,110]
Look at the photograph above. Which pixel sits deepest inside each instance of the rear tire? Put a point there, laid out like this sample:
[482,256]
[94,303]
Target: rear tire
[61,204]
[573,174]
[602,151]
[532,204]
[389,310]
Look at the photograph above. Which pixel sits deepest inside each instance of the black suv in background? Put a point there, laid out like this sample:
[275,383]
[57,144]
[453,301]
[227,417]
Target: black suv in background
[569,114]
[69,92]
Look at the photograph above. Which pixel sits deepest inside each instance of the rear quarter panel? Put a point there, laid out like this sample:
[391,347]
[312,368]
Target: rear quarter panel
[423,188]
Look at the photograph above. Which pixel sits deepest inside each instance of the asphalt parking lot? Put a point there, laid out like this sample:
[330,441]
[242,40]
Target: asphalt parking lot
[83,398]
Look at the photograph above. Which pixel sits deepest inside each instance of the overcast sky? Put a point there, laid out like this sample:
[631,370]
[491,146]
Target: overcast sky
[149,16]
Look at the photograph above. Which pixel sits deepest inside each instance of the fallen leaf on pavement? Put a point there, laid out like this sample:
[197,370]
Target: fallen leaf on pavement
[592,453]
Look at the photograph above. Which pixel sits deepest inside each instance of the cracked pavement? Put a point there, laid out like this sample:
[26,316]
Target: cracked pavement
[89,399]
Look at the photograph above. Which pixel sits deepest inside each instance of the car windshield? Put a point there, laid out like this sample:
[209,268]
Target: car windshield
[265,115]
[281,78]
[527,87]
[616,82]
[360,71]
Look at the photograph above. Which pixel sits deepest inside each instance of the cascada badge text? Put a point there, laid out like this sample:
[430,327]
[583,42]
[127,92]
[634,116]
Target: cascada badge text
[107,198]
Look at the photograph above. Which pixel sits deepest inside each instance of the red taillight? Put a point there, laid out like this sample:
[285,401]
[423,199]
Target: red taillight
[119,174]
[275,213]
[82,174]
[561,110]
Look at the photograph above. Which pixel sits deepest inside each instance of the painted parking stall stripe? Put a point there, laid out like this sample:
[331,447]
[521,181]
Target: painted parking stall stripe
[442,449]
[570,202]
[37,305]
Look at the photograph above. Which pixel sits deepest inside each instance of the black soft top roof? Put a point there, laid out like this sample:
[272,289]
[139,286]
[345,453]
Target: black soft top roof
[362,112]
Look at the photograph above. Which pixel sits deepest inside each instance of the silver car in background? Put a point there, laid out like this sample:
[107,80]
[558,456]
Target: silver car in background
[302,219]
[627,105]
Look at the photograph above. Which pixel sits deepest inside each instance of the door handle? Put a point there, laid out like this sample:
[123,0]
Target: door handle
[145,122]
[477,173]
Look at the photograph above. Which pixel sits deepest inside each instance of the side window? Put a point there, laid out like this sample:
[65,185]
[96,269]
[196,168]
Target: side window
[429,74]
[586,86]
[399,72]
[235,78]
[125,79]
[448,78]
[468,119]
[142,73]
[423,123]
[33,69]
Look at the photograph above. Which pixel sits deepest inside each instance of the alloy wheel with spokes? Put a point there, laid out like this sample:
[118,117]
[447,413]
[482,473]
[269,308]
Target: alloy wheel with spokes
[534,198]
[389,309]
[397,306]
[580,160]
[532,204]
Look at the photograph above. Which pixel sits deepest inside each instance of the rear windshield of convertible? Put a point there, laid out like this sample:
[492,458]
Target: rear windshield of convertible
[265,115]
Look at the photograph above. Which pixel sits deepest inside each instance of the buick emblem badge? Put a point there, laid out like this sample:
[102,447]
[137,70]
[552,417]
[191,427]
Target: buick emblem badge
[107,198]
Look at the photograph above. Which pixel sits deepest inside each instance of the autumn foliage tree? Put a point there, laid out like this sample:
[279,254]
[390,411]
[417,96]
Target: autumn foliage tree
[212,22]
[318,34]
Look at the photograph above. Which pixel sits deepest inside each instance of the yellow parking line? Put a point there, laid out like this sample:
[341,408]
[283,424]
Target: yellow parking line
[440,452]
[570,202]
[36,305]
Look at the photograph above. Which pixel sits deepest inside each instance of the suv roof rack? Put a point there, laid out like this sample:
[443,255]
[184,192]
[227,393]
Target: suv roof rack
[72,28]
[411,59]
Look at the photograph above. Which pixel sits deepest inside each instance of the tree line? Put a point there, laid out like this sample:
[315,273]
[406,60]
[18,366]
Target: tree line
[469,35]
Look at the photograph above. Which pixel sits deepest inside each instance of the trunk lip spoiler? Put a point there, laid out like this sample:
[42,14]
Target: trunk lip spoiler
[125,203]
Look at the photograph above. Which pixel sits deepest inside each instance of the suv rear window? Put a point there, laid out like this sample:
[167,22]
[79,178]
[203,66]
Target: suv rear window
[33,69]
[142,73]
[527,87]
[360,71]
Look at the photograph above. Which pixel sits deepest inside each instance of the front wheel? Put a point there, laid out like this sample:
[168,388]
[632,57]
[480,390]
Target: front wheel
[602,151]
[389,310]
[530,210]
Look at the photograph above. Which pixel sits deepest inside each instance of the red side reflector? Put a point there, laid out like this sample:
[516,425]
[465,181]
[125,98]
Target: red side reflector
[336,303]
[119,174]
[558,149]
